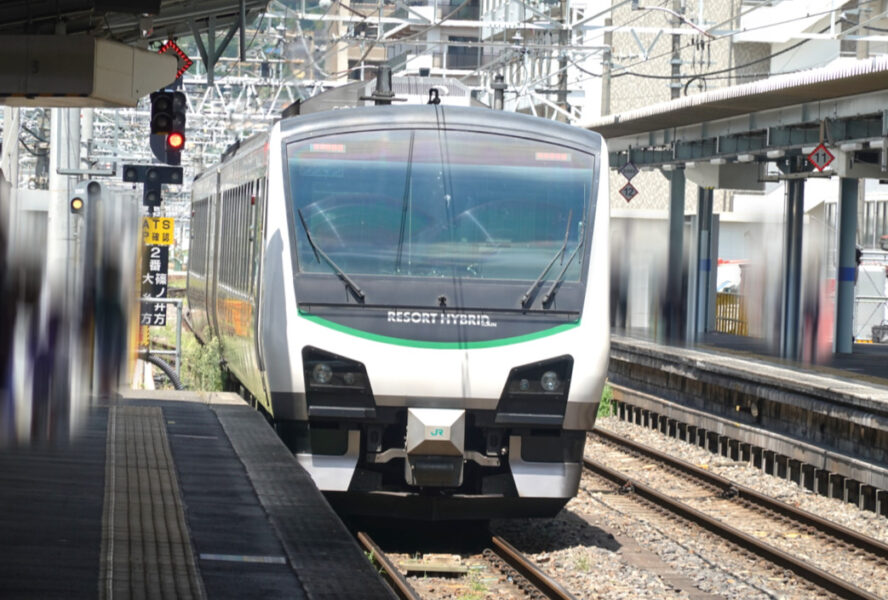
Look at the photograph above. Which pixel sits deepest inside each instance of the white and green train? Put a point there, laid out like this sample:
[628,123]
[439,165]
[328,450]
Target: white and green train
[417,296]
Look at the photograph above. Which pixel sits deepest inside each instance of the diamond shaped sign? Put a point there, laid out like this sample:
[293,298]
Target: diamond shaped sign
[628,192]
[184,61]
[629,170]
[821,157]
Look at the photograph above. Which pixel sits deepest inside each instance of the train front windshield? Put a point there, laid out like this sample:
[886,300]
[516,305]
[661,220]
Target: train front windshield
[427,203]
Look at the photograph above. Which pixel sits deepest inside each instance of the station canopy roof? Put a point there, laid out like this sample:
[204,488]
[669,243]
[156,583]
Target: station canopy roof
[843,78]
[120,20]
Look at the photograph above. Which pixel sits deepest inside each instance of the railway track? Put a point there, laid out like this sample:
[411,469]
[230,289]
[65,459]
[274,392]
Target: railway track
[514,568]
[793,539]
[389,570]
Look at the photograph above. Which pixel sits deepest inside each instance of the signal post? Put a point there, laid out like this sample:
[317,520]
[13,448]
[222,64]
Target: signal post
[167,140]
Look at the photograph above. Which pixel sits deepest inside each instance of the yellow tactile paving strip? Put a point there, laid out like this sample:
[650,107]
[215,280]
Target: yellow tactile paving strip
[146,550]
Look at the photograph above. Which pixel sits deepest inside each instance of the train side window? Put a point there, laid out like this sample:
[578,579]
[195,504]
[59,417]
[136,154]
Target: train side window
[235,233]
[223,201]
[245,232]
[229,201]
[237,229]
[244,227]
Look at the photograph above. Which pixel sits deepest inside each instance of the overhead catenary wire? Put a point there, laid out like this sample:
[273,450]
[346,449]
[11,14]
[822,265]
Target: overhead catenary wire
[31,151]
[623,71]
[39,137]
[714,75]
[709,74]
[730,35]
[506,57]
[727,69]
[618,71]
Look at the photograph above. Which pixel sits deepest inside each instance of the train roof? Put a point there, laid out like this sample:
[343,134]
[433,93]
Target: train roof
[236,148]
[434,116]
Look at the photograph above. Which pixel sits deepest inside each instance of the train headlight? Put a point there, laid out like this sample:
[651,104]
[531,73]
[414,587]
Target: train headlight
[549,381]
[336,387]
[535,394]
[322,373]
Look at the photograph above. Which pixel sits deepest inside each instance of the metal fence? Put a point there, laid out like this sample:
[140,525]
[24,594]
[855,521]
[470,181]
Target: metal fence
[177,351]
[730,313]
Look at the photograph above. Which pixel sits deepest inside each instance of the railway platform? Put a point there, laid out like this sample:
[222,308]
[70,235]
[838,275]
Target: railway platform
[824,426]
[865,362]
[172,495]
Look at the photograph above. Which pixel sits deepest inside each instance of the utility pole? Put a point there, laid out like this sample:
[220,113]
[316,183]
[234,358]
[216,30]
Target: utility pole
[10,157]
[606,67]
[563,41]
[862,53]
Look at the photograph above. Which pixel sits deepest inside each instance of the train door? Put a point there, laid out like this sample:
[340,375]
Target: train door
[258,246]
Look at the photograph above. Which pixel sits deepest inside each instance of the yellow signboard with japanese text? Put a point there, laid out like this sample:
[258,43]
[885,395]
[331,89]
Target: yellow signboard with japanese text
[157,231]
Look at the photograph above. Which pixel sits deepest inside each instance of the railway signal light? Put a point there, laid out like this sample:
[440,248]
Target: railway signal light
[151,195]
[175,141]
[168,126]
[161,112]
[152,177]
[151,189]
[77,205]
[178,112]
[152,173]
[83,191]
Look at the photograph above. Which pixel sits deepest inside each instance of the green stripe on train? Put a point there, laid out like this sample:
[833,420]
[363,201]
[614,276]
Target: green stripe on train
[385,339]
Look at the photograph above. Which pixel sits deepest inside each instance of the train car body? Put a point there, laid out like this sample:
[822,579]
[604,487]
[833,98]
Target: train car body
[417,297]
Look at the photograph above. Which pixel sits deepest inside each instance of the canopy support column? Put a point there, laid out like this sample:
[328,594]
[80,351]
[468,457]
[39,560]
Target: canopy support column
[673,307]
[790,333]
[847,266]
[706,254]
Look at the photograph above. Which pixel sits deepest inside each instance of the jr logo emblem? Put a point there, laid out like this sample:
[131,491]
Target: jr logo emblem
[437,432]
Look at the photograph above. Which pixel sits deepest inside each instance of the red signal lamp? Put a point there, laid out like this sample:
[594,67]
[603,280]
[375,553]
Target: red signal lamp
[175,141]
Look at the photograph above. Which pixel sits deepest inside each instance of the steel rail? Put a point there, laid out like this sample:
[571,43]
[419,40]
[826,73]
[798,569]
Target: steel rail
[835,530]
[531,572]
[400,586]
[808,572]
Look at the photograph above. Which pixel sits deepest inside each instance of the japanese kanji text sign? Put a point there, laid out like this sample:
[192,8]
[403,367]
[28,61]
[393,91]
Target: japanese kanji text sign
[157,231]
[155,264]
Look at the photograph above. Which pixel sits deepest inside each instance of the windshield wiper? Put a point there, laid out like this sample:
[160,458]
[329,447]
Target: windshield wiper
[348,281]
[553,289]
[405,205]
[560,252]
